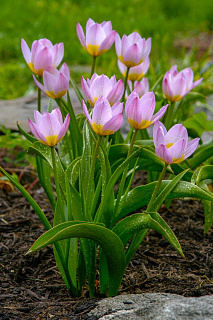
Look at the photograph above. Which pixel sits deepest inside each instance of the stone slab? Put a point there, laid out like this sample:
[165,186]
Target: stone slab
[153,306]
[19,110]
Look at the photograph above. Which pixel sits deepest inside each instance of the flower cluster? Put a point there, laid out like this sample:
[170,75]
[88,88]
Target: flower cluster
[88,166]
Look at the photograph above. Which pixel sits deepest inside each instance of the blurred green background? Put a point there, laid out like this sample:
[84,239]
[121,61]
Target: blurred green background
[163,20]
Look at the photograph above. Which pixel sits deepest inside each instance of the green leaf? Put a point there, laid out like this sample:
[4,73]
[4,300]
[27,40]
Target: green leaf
[44,152]
[208,210]
[202,173]
[77,91]
[127,227]
[140,196]
[108,240]
[110,186]
[121,150]
[75,133]
[197,122]
[202,154]
[26,135]
[32,202]
[43,169]
[164,193]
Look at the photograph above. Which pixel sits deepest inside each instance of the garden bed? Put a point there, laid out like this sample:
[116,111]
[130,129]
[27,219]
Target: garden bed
[32,288]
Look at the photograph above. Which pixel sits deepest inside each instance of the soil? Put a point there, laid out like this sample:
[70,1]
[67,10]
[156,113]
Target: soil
[31,286]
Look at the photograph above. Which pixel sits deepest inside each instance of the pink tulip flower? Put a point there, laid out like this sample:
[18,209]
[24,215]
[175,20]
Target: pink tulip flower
[56,82]
[99,37]
[49,128]
[102,86]
[141,87]
[132,50]
[139,111]
[135,73]
[177,84]
[173,146]
[105,119]
[42,55]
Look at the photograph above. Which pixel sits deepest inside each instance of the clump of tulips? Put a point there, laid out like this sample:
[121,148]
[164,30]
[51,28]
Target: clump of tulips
[88,156]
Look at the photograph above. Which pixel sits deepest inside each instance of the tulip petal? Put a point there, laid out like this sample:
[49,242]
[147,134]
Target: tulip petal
[177,149]
[102,111]
[108,42]
[81,36]
[36,132]
[117,108]
[38,84]
[49,81]
[86,91]
[158,136]
[107,26]
[57,114]
[61,86]
[95,35]
[191,147]
[59,55]
[100,87]
[43,60]
[116,93]
[85,110]
[118,45]
[25,51]
[64,128]
[159,114]
[163,154]
[132,55]
[177,132]
[114,123]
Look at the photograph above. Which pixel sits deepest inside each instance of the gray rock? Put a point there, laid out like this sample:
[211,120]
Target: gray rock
[19,110]
[153,306]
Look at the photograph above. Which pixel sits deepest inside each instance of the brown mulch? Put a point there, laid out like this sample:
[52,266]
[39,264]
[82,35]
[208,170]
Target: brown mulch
[31,286]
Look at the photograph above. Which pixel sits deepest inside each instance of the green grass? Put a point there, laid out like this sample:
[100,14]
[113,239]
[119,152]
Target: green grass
[56,20]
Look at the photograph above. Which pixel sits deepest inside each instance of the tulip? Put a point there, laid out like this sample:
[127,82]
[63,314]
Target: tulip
[177,84]
[173,146]
[135,73]
[105,119]
[49,128]
[99,37]
[42,55]
[102,86]
[141,87]
[139,111]
[56,82]
[132,50]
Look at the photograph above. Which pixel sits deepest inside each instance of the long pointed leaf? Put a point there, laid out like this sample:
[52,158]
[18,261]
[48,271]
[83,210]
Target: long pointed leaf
[126,228]
[140,196]
[108,240]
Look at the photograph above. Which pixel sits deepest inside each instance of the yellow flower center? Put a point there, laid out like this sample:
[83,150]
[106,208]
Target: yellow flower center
[169,145]
[174,98]
[178,160]
[39,72]
[129,64]
[51,140]
[54,95]
[98,128]
[93,50]
[143,125]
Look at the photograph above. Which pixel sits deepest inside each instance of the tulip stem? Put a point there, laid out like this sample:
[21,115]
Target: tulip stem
[91,179]
[162,175]
[93,66]
[118,207]
[55,171]
[169,118]
[125,83]
[39,95]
